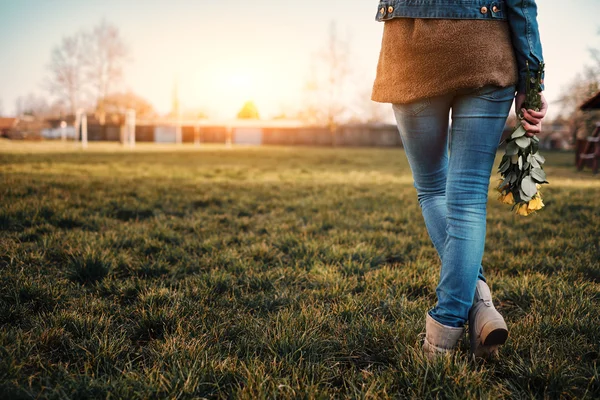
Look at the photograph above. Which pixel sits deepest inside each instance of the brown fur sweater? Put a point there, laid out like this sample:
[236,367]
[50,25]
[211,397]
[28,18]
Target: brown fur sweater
[427,57]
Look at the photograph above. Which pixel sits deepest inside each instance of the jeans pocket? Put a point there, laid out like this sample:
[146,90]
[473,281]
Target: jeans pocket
[494,92]
[412,108]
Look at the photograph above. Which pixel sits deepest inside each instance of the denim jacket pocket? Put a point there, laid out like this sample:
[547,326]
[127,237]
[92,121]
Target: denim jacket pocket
[412,108]
[494,92]
[385,11]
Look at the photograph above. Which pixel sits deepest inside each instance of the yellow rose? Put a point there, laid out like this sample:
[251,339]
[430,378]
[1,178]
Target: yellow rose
[507,198]
[522,209]
[535,204]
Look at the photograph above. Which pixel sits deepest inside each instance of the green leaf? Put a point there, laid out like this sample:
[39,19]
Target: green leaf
[538,174]
[535,139]
[525,165]
[523,142]
[504,166]
[528,186]
[512,148]
[534,162]
[505,161]
[512,177]
[520,162]
[520,131]
[523,196]
[540,158]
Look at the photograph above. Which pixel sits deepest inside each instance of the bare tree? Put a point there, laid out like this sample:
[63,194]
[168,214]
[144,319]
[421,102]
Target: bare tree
[326,87]
[310,112]
[583,87]
[595,53]
[66,80]
[337,60]
[104,58]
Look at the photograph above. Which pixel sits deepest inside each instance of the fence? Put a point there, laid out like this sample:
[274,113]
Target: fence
[238,132]
[350,135]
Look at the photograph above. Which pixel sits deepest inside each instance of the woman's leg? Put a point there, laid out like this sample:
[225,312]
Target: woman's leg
[423,127]
[477,123]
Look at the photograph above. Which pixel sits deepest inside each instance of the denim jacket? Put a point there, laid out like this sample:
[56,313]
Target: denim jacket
[520,14]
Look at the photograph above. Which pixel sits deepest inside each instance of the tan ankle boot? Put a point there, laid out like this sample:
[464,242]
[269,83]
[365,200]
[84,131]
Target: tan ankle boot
[440,339]
[487,329]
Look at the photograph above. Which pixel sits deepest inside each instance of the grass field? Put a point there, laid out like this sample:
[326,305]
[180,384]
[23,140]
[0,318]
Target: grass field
[274,272]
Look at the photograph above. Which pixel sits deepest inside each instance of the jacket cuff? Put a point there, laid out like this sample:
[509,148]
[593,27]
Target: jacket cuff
[522,84]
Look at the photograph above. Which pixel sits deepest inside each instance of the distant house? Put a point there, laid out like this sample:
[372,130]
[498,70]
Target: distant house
[587,150]
[592,103]
[24,127]
[6,125]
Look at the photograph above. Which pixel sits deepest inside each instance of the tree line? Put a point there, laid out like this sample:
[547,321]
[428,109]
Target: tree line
[84,72]
[86,68]
[585,85]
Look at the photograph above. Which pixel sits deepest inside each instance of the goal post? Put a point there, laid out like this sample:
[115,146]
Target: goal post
[130,128]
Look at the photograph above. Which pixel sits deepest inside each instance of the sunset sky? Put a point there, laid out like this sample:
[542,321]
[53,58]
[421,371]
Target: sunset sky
[223,53]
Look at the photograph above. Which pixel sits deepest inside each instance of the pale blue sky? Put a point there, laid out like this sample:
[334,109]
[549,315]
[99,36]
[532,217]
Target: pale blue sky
[224,52]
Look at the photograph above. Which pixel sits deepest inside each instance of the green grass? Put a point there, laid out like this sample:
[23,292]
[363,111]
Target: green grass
[273,272]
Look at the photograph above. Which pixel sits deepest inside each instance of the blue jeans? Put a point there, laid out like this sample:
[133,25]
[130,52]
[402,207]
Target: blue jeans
[451,171]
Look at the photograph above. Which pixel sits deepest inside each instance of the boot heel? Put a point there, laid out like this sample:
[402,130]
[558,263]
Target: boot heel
[494,333]
[487,328]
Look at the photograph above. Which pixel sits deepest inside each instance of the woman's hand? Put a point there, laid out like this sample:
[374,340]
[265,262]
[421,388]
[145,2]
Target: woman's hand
[532,120]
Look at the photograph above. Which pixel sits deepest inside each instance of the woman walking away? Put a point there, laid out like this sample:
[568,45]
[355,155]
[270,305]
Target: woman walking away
[466,59]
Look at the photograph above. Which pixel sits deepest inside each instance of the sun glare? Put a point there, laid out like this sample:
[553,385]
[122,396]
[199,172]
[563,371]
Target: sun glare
[222,88]
[240,81]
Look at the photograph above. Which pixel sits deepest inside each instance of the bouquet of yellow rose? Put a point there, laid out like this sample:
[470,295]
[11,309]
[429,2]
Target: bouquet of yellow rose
[521,166]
